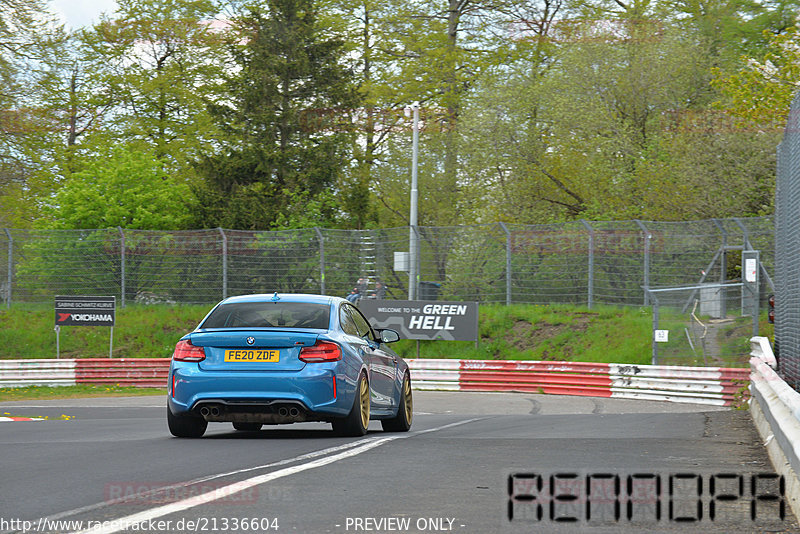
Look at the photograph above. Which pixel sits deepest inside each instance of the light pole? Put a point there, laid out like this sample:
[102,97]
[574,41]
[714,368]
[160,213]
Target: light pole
[413,283]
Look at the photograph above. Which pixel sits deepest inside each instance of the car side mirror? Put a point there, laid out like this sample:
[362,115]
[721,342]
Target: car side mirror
[389,336]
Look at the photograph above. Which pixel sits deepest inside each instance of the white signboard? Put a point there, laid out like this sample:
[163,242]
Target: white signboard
[401,262]
[662,336]
[751,270]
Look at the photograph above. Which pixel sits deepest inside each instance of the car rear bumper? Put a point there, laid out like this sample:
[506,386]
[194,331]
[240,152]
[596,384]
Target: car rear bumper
[251,396]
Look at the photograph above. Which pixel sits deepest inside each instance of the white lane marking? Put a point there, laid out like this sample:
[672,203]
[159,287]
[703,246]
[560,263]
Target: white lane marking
[154,513]
[144,494]
[236,487]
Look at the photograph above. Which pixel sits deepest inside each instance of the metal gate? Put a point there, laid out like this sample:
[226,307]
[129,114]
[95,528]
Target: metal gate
[704,324]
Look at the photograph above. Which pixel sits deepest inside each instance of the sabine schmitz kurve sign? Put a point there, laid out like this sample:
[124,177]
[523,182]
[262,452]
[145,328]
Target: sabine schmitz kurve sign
[421,319]
[84,310]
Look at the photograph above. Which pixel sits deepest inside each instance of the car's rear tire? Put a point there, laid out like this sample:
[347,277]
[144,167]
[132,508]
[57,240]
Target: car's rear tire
[405,412]
[357,421]
[186,426]
[247,427]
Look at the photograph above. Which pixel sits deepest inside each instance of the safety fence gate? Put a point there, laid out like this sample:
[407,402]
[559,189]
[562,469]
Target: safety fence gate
[704,324]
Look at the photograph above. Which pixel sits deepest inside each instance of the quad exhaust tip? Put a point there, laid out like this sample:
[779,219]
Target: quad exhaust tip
[214,411]
[205,411]
[292,411]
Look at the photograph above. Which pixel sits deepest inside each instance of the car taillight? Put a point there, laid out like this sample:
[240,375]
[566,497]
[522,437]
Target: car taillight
[322,351]
[186,352]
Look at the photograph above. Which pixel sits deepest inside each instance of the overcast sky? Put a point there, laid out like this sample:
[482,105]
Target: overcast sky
[78,13]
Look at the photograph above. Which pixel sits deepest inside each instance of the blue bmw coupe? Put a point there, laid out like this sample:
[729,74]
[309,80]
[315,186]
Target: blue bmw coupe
[285,358]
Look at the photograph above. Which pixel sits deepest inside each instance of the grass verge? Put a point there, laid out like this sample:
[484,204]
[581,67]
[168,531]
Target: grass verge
[74,392]
[26,331]
[517,332]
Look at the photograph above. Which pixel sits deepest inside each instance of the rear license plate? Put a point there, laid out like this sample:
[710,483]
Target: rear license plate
[252,355]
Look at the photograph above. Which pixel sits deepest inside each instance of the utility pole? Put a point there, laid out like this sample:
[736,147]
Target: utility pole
[413,237]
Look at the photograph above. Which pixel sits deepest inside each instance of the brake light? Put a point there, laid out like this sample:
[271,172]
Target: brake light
[322,351]
[186,352]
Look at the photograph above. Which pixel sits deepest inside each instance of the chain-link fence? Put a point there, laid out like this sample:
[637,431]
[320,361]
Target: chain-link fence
[583,263]
[703,324]
[787,242]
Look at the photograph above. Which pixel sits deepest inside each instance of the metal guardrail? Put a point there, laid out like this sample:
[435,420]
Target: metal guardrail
[704,385]
[19,373]
[137,372]
[775,408]
[701,385]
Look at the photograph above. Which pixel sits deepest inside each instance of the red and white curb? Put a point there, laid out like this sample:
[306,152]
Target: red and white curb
[141,372]
[703,385]
[706,385]
[5,419]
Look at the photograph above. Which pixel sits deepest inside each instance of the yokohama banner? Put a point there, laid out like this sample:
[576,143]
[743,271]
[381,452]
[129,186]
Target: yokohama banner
[85,311]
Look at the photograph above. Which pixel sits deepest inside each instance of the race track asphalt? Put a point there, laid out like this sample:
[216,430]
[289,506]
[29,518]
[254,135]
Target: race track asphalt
[472,463]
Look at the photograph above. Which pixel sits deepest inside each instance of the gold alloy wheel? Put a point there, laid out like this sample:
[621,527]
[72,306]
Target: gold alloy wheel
[408,402]
[364,396]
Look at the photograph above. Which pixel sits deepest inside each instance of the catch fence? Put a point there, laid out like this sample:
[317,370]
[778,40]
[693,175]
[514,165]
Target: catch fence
[787,261]
[581,263]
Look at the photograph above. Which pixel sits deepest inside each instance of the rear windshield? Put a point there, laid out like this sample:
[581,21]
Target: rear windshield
[269,314]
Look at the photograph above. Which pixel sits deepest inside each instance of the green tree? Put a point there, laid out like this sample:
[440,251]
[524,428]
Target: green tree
[761,91]
[69,107]
[161,62]
[290,76]
[433,52]
[127,187]
[581,136]
[29,39]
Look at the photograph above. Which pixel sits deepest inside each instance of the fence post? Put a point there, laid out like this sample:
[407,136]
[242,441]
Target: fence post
[590,281]
[653,341]
[749,246]
[122,265]
[753,287]
[508,262]
[10,266]
[413,263]
[745,234]
[647,238]
[723,267]
[224,263]
[321,260]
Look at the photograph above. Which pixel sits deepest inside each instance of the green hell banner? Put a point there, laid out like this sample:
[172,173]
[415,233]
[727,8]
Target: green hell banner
[419,319]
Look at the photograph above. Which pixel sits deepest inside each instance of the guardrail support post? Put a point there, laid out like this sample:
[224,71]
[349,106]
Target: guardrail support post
[508,262]
[224,263]
[590,280]
[122,265]
[10,266]
[321,239]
